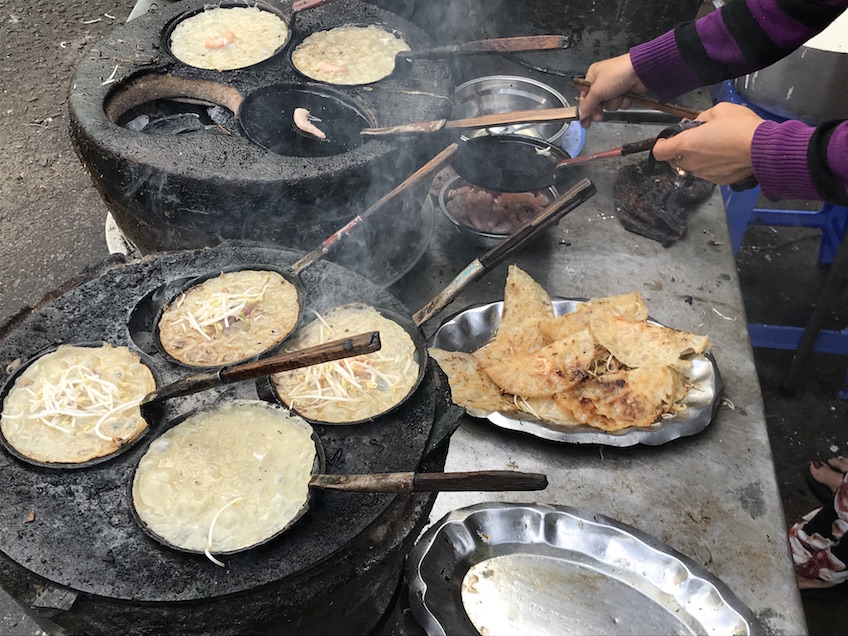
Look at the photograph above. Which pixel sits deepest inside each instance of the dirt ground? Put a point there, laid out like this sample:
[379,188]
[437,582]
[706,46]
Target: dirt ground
[52,220]
[44,193]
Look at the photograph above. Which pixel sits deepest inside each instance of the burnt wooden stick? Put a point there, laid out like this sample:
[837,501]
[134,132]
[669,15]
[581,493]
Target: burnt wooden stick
[484,121]
[671,109]
[528,232]
[481,481]
[493,45]
[335,350]
[413,181]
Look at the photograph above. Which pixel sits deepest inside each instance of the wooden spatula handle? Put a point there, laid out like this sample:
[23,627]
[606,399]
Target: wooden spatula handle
[483,480]
[484,121]
[335,350]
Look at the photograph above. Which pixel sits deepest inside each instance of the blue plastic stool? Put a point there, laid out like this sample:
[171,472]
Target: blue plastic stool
[831,220]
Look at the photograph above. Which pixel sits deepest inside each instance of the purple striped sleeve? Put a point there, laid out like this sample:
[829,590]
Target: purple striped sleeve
[779,157]
[784,31]
[661,68]
[720,45]
[837,154]
[785,165]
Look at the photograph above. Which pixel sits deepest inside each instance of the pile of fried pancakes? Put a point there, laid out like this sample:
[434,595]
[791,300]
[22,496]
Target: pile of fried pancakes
[602,365]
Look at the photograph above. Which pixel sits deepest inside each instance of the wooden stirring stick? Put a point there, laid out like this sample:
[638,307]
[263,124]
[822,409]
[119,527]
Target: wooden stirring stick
[413,181]
[528,232]
[484,121]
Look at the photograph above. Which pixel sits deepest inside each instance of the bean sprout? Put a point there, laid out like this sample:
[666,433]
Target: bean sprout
[208,548]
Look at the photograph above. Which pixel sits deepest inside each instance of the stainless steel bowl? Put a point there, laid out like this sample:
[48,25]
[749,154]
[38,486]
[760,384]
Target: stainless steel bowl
[503,93]
[474,236]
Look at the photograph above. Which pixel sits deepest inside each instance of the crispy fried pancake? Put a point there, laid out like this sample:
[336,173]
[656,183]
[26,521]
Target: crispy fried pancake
[525,304]
[470,386]
[630,306]
[628,398]
[552,369]
[547,409]
[638,344]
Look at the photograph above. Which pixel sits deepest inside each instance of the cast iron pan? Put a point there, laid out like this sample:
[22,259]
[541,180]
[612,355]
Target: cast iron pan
[267,390]
[404,59]
[144,320]
[509,163]
[227,4]
[151,407]
[492,480]
[10,383]
[266,118]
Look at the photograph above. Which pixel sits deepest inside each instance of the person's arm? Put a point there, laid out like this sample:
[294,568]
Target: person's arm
[740,37]
[791,160]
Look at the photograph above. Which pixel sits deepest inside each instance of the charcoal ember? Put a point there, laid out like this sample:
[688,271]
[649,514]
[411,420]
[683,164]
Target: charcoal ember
[657,204]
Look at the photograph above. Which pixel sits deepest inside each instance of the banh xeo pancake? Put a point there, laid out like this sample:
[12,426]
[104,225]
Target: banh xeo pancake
[352,389]
[526,304]
[602,365]
[228,318]
[76,404]
[552,369]
[629,306]
[470,386]
[348,54]
[224,38]
[637,344]
[225,479]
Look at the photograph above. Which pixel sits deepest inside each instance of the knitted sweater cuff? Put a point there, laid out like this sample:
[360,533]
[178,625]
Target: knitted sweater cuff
[779,158]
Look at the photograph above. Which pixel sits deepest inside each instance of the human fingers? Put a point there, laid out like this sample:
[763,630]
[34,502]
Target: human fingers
[719,150]
[668,149]
[609,79]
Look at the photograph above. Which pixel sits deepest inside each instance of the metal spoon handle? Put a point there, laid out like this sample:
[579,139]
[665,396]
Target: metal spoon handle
[482,481]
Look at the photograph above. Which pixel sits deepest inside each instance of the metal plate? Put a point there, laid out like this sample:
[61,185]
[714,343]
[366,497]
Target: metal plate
[470,329]
[512,569]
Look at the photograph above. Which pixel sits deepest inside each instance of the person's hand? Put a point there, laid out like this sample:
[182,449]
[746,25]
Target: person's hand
[610,79]
[718,150]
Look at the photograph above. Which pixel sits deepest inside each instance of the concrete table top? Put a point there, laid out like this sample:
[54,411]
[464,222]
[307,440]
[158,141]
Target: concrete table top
[712,496]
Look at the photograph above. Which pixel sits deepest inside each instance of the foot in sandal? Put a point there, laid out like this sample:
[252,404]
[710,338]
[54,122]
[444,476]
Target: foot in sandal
[823,478]
[819,540]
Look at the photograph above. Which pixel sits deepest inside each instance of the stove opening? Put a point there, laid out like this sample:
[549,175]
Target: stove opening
[176,116]
[267,118]
[164,104]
